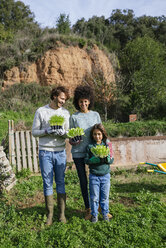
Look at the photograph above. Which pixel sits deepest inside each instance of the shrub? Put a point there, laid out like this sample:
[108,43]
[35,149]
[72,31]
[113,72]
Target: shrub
[136,129]
[19,103]
[82,42]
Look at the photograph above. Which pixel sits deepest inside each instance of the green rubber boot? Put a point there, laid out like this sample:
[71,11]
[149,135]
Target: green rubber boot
[50,208]
[61,199]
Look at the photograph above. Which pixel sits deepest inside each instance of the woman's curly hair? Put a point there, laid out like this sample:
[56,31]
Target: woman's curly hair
[83,92]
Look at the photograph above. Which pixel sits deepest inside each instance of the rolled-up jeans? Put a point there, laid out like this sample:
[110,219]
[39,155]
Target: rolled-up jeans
[99,187]
[80,166]
[53,164]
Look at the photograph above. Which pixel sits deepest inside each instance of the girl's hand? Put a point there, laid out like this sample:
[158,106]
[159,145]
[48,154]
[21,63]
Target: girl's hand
[104,160]
[94,160]
[107,160]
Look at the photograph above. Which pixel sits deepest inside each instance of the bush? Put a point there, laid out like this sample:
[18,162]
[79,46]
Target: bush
[82,42]
[135,129]
[20,97]
[19,103]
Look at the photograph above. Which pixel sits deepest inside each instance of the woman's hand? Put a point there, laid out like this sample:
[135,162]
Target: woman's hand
[74,143]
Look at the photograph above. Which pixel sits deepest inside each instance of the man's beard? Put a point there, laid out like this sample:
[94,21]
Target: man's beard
[61,103]
[58,104]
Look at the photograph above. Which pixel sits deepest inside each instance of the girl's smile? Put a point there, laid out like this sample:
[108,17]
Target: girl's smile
[97,136]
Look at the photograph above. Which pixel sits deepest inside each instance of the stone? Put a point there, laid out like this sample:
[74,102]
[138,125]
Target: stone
[7,176]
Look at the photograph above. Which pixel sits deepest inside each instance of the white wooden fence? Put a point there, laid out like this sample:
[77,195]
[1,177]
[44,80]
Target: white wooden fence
[23,149]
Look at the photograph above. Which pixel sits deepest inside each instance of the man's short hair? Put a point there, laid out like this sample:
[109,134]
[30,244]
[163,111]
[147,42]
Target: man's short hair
[56,91]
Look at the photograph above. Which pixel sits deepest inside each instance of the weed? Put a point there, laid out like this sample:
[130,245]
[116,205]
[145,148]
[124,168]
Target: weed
[24,173]
[137,203]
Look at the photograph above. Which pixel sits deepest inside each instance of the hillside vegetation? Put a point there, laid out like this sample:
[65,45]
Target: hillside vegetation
[20,102]
[138,43]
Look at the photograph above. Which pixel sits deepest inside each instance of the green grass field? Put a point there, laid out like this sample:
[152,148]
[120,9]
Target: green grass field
[137,203]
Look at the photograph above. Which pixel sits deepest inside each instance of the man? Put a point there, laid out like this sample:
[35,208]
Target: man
[52,154]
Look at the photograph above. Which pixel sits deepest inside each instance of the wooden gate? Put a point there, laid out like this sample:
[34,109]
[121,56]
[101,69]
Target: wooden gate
[23,149]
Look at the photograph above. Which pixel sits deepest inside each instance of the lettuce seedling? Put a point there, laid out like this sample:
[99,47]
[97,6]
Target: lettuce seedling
[73,132]
[100,151]
[56,120]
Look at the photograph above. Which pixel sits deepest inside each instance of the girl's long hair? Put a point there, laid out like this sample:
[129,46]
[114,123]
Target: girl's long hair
[100,127]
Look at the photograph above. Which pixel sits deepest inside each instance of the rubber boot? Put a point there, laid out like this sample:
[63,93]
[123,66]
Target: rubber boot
[61,200]
[50,208]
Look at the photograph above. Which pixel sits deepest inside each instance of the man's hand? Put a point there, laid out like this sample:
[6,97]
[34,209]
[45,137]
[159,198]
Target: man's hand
[60,132]
[94,160]
[49,130]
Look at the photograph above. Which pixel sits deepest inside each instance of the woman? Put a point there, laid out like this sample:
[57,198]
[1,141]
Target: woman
[85,118]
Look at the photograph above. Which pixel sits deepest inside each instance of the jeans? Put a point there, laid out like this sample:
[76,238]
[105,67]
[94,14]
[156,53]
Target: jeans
[53,163]
[80,166]
[99,187]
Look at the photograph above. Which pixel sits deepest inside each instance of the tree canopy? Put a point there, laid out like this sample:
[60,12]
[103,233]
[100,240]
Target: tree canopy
[15,15]
[143,64]
[63,24]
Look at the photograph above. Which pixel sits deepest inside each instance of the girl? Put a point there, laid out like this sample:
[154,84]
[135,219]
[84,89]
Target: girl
[99,177]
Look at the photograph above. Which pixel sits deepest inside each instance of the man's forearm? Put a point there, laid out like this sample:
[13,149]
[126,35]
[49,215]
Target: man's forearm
[38,133]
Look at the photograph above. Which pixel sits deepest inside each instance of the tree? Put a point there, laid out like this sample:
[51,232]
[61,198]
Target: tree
[5,36]
[79,27]
[145,25]
[121,27]
[160,31]
[143,63]
[123,24]
[103,90]
[15,15]
[96,28]
[63,24]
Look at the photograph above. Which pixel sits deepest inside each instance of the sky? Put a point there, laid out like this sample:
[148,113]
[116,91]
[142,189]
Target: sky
[47,11]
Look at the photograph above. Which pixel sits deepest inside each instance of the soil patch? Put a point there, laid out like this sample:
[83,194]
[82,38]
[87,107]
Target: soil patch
[127,201]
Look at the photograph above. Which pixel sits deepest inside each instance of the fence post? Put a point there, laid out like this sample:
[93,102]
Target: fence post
[11,142]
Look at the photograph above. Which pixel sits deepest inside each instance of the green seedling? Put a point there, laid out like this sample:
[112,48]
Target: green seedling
[56,120]
[100,151]
[73,132]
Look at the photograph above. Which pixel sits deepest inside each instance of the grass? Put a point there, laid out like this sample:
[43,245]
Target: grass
[137,203]
[22,120]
